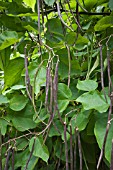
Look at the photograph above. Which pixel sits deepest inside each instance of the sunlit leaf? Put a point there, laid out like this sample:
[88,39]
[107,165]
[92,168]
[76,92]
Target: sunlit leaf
[30,3]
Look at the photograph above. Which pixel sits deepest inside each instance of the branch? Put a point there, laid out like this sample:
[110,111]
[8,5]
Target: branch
[80,13]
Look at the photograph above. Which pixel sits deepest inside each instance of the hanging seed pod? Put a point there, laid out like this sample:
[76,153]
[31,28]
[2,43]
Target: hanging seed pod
[47,83]
[55,83]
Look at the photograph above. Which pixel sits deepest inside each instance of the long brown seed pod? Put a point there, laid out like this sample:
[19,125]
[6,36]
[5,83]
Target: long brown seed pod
[66,147]
[48,70]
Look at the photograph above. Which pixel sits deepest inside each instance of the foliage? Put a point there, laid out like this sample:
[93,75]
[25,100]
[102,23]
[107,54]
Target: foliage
[56,84]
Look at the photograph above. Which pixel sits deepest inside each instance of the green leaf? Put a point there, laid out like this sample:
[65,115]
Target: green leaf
[81,42]
[56,129]
[80,121]
[21,143]
[40,75]
[8,38]
[22,124]
[4,57]
[111,4]
[7,21]
[40,79]
[63,91]
[54,34]
[30,26]
[62,105]
[22,120]
[99,130]
[89,4]
[87,85]
[24,156]
[94,66]
[3,99]
[104,23]
[93,100]
[70,38]
[13,71]
[57,29]
[41,116]
[64,65]
[40,150]
[49,2]
[18,102]
[3,126]
[30,3]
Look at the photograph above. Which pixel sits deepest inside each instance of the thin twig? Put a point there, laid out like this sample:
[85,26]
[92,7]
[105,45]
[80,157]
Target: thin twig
[74,12]
[81,6]
[27,79]
[109,77]
[42,12]
[59,14]
[77,21]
